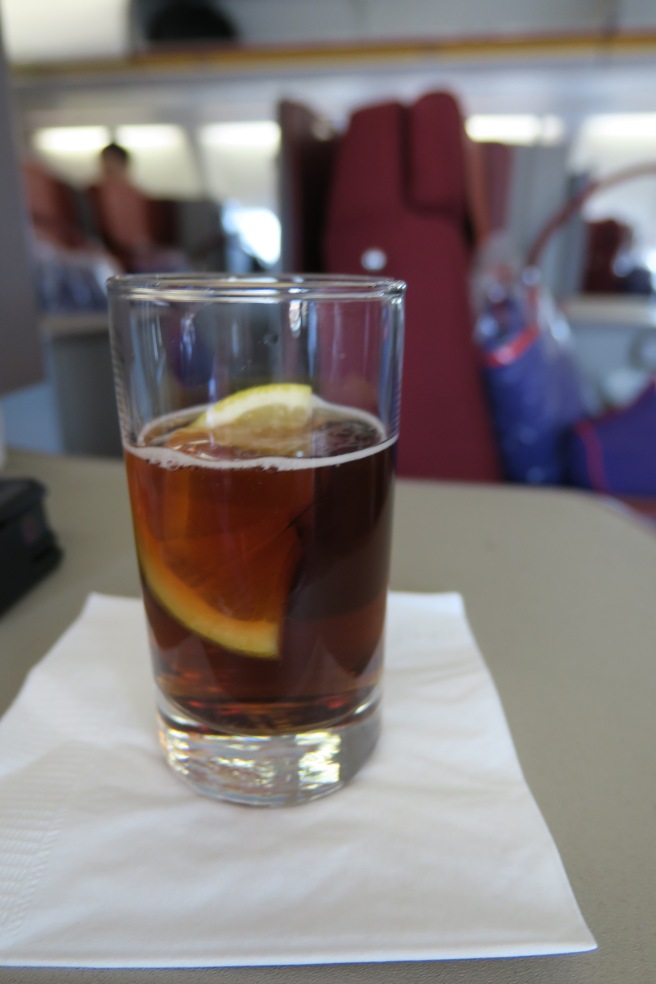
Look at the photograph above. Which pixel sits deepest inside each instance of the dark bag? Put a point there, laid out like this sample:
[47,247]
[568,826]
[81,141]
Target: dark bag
[616,453]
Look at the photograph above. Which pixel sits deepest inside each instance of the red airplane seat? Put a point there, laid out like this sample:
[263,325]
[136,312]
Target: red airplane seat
[52,207]
[605,240]
[399,207]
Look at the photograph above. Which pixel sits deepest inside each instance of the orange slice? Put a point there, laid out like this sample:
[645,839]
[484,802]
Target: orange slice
[192,598]
[217,560]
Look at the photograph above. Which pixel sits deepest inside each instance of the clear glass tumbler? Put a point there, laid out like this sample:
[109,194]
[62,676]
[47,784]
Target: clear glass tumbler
[259,417]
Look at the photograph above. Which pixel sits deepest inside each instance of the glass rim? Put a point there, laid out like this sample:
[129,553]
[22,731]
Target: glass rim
[207,286]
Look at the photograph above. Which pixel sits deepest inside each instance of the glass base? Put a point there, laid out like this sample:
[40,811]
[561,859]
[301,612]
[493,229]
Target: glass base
[268,770]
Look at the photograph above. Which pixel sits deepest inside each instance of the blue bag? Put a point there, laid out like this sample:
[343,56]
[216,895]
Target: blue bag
[532,381]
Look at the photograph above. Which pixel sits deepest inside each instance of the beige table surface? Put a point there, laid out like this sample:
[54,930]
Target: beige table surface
[561,593]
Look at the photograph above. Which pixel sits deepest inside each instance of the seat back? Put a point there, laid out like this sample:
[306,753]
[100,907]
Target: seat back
[307,152]
[399,207]
[52,208]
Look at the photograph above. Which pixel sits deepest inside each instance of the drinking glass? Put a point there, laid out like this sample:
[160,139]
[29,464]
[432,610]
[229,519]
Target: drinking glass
[259,417]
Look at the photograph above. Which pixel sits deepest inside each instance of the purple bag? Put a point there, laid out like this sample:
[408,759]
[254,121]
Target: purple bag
[616,453]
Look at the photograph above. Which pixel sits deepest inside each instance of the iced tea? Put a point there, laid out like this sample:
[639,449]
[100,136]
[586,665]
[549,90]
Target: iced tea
[265,579]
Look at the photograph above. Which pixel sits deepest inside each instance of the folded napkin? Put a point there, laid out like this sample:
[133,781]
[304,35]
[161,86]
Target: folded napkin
[435,850]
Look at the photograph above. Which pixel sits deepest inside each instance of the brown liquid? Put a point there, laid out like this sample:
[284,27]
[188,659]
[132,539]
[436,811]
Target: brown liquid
[304,550]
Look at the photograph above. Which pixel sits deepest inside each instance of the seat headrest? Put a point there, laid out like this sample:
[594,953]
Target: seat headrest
[394,155]
[436,154]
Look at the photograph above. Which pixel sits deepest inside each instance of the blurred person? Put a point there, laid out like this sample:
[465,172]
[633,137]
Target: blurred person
[127,218]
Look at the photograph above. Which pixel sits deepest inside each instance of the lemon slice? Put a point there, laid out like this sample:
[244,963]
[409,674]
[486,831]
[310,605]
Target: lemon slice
[274,420]
[286,406]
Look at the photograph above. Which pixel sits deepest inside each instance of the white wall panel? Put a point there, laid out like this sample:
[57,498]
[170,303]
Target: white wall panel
[20,348]
[43,30]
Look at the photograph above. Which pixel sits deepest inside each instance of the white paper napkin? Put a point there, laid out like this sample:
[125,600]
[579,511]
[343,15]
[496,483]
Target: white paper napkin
[436,850]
